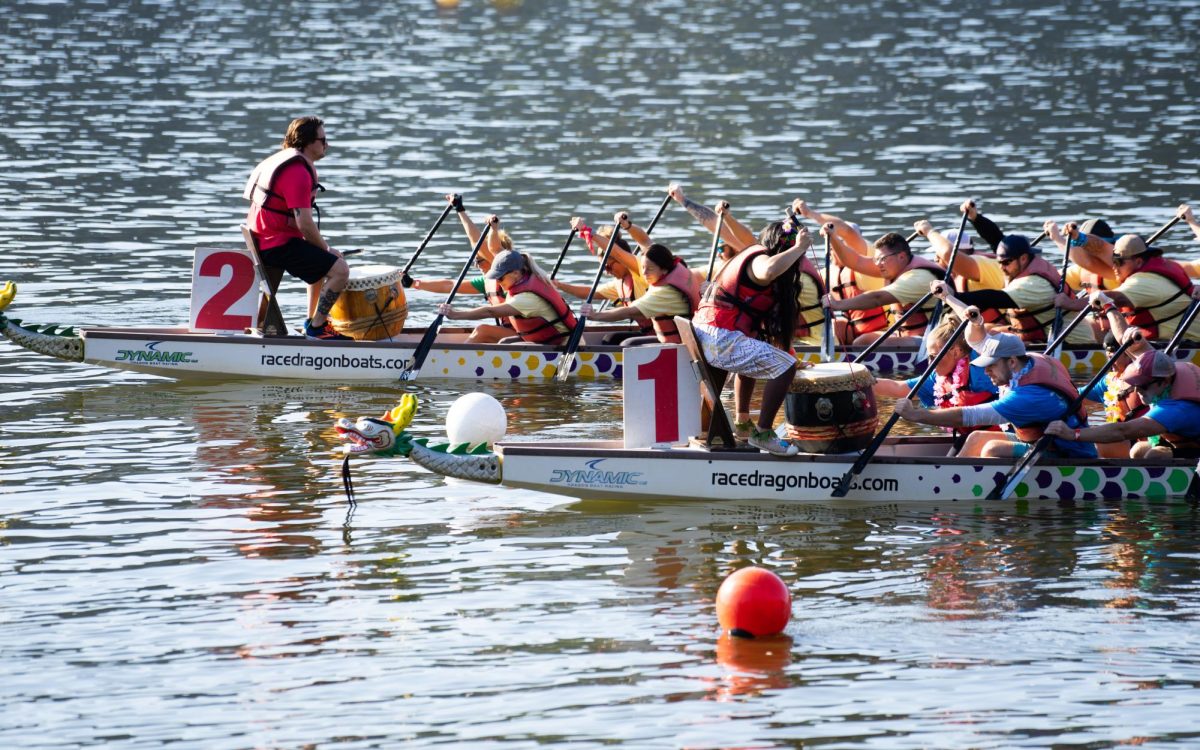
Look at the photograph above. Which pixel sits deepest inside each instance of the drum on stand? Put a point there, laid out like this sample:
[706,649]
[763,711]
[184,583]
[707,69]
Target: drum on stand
[830,408]
[372,306]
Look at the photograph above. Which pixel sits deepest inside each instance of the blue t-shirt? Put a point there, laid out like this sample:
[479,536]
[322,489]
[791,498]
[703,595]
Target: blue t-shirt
[1037,404]
[977,380]
[1098,390]
[1179,417]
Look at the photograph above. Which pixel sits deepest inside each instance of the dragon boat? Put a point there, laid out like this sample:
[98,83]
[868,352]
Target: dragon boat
[654,461]
[182,353]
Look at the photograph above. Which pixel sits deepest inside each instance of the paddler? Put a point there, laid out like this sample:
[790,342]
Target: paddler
[497,242]
[846,283]
[282,191]
[1153,294]
[532,305]
[753,296]
[1185,213]
[1028,297]
[807,283]
[627,283]
[673,291]
[1034,390]
[956,382]
[908,277]
[1171,427]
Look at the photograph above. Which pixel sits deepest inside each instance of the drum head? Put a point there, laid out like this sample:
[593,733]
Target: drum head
[372,276]
[828,377]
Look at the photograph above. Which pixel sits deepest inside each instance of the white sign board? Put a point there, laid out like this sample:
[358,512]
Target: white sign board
[662,396]
[225,291]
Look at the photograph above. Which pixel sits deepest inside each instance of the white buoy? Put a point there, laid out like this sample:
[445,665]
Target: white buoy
[476,418]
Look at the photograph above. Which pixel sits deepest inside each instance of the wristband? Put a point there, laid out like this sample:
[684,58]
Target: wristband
[1077,434]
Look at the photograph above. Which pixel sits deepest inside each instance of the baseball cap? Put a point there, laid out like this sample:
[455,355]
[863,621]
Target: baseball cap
[966,242]
[1129,246]
[1149,367]
[1013,246]
[505,262]
[1098,227]
[998,346]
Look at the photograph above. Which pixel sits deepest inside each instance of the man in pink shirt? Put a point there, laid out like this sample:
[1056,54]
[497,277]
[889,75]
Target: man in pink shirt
[282,191]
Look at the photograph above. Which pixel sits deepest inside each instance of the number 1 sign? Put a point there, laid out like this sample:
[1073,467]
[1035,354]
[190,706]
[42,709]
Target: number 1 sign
[225,291]
[662,396]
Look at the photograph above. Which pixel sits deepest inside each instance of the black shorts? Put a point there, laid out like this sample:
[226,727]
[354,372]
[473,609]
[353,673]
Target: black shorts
[301,259]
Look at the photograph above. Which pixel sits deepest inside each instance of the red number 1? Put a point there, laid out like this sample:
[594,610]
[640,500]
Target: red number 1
[663,370]
[213,315]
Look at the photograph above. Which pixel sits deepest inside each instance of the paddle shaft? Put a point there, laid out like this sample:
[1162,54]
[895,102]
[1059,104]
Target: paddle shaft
[663,207]
[893,328]
[424,242]
[422,350]
[1003,489]
[1062,335]
[716,241]
[1188,316]
[563,253]
[564,364]
[843,485]
[937,309]
[1164,229]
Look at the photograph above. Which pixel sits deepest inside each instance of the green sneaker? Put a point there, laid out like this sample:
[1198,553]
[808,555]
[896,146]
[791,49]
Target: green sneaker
[743,430]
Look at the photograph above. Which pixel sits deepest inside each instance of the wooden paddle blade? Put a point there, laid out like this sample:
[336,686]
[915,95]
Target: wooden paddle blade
[421,353]
[828,345]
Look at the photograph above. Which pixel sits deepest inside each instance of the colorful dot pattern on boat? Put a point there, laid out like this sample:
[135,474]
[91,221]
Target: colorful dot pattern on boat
[1081,482]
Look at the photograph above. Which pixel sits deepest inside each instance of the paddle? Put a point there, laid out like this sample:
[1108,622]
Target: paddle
[1164,229]
[827,327]
[843,485]
[923,351]
[1056,329]
[1056,342]
[568,357]
[716,241]
[422,350]
[892,328]
[455,205]
[1009,482]
[563,253]
[1188,316]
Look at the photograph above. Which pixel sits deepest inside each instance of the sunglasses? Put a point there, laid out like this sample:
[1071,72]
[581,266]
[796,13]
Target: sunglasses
[1120,261]
[881,258]
[1006,261]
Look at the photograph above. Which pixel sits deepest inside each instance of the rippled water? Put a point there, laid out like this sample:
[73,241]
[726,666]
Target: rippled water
[179,565]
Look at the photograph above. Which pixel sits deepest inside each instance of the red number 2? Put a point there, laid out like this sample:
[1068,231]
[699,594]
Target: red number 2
[663,370]
[213,315]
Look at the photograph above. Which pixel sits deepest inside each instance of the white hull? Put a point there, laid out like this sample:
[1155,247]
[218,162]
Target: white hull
[904,470]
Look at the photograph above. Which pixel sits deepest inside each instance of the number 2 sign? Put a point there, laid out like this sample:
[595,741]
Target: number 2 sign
[662,397]
[225,291]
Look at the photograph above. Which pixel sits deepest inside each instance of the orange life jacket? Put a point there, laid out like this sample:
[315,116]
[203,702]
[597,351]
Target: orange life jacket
[1052,374]
[860,321]
[1143,317]
[1023,321]
[679,277]
[733,302]
[540,330]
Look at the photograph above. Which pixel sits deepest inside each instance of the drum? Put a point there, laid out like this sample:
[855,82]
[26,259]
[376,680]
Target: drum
[830,408]
[372,306]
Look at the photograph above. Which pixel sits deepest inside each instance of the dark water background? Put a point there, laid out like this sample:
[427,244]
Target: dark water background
[179,567]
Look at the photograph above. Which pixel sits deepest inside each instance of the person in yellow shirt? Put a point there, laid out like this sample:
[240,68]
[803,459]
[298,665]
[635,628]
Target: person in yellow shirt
[627,283]
[907,276]
[1153,295]
[673,292]
[972,271]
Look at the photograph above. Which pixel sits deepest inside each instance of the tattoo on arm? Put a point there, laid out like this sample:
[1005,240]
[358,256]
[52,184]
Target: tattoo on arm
[703,214]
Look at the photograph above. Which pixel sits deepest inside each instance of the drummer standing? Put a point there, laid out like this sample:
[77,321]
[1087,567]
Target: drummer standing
[282,191]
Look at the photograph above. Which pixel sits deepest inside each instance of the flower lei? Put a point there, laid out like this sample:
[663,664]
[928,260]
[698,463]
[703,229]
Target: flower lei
[1113,411]
[948,391]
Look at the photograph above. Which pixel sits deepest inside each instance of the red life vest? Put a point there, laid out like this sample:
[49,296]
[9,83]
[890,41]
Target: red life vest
[1143,317]
[803,325]
[1185,387]
[860,321]
[540,330]
[915,325]
[259,188]
[960,396]
[1052,374]
[1023,321]
[680,278]
[733,302]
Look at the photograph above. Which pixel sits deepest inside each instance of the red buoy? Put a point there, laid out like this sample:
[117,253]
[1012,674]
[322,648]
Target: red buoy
[752,603]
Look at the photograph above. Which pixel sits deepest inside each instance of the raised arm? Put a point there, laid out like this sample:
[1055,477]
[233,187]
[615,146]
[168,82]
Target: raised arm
[1185,212]
[964,265]
[984,227]
[852,239]
[703,214]
[847,258]
[766,268]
